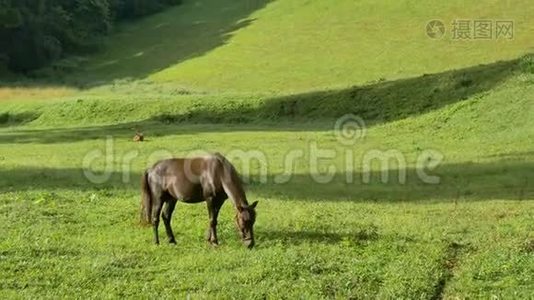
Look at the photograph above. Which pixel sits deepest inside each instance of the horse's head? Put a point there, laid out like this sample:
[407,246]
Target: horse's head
[245,218]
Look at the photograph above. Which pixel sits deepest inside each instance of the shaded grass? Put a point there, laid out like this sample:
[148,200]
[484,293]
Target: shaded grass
[138,49]
[14,119]
[458,183]
[375,103]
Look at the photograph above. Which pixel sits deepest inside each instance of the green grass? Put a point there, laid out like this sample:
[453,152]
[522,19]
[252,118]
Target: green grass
[301,45]
[471,235]
[298,46]
[251,75]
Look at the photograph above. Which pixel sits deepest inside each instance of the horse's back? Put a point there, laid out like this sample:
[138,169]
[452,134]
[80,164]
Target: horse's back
[188,179]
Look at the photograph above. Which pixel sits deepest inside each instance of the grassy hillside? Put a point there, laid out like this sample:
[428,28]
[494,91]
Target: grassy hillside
[297,46]
[274,77]
[309,45]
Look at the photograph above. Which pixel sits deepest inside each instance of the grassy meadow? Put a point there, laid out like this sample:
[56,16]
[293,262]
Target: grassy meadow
[272,77]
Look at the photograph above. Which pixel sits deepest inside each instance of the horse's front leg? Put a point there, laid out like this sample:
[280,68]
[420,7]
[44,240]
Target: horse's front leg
[214,206]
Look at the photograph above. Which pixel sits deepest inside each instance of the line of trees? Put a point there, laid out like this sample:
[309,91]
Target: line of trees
[34,33]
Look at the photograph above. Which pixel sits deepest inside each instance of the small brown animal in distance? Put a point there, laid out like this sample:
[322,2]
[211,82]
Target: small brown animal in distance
[139,137]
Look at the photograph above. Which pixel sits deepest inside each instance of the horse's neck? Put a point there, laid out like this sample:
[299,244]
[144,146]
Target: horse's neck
[230,181]
[238,196]
[235,192]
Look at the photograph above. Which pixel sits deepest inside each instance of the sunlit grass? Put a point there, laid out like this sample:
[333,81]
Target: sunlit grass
[295,46]
[214,75]
[62,236]
[284,47]
[35,93]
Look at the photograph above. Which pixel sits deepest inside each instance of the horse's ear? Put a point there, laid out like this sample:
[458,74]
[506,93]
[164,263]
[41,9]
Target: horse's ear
[254,204]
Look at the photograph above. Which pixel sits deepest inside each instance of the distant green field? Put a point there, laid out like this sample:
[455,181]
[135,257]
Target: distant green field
[298,45]
[272,78]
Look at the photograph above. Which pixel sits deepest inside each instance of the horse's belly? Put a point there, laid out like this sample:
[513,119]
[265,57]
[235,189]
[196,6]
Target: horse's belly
[192,200]
[186,192]
[193,194]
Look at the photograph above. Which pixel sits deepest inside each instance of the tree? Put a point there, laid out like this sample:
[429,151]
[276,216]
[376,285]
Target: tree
[34,33]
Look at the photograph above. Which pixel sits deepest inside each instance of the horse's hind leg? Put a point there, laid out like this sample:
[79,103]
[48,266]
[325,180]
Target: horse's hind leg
[170,204]
[156,213]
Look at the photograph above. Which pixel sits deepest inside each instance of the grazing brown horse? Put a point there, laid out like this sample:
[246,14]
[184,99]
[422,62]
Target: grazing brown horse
[210,178]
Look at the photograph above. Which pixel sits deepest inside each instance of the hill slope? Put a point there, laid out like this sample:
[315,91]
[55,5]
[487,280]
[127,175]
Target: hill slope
[297,45]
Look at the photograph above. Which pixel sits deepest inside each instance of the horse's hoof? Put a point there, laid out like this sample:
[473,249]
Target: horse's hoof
[214,244]
[172,242]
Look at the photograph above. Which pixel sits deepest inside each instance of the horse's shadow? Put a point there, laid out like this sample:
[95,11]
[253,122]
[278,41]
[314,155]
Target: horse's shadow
[356,236]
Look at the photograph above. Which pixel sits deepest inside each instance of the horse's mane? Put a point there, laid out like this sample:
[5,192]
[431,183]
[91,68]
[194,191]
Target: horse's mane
[229,178]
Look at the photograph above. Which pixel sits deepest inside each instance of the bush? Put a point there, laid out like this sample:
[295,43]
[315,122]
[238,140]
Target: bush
[127,9]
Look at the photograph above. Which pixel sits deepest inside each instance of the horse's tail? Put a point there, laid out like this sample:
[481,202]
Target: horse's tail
[146,200]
